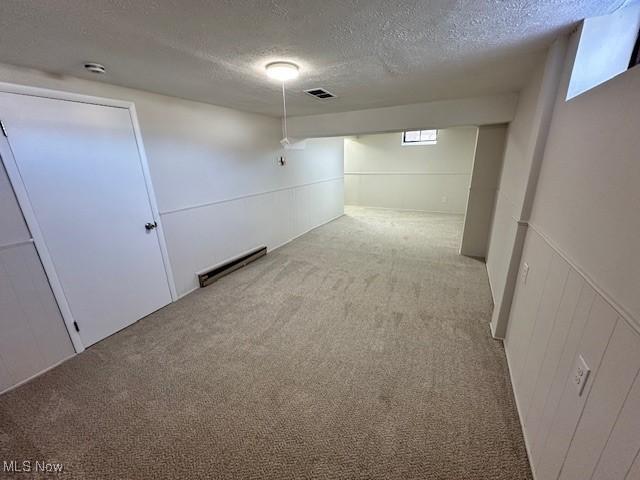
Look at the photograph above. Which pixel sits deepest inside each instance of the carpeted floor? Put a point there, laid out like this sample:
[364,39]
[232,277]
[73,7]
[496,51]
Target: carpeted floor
[359,351]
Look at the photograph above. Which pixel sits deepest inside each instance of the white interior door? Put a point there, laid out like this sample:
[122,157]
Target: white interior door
[82,172]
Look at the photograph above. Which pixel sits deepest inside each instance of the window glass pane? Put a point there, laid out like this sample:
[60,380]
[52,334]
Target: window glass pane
[413,136]
[428,135]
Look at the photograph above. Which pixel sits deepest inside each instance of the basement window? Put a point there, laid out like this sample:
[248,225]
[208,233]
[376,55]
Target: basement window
[420,137]
[607,47]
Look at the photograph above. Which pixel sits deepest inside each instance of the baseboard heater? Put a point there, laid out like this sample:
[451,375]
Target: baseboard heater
[208,277]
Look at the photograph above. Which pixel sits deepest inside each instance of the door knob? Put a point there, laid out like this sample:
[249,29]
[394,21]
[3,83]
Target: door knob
[150,226]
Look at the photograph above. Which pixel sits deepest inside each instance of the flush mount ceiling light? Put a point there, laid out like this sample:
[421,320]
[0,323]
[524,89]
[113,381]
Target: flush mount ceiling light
[94,68]
[282,71]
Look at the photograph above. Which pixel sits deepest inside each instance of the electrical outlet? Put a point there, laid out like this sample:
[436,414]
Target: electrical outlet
[580,374]
[525,272]
[444,199]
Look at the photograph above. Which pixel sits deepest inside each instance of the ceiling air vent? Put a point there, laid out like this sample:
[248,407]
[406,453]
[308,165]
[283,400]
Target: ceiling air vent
[320,93]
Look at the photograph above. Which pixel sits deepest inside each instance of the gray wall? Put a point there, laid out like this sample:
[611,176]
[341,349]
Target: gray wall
[381,172]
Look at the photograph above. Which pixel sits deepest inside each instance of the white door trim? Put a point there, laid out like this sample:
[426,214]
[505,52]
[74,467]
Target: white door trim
[29,215]
[152,201]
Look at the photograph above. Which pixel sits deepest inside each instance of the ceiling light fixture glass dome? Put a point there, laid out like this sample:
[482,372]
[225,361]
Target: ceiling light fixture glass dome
[282,71]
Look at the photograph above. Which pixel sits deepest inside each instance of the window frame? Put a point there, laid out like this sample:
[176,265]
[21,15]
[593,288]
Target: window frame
[408,143]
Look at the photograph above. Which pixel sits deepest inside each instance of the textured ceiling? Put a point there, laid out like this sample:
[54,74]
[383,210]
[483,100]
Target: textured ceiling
[370,53]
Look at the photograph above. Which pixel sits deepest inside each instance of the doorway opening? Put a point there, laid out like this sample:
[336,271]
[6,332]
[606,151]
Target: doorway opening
[452,172]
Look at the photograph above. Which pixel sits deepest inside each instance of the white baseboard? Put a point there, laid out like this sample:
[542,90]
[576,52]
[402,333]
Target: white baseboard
[524,433]
[305,232]
[407,210]
[492,327]
[182,295]
[50,367]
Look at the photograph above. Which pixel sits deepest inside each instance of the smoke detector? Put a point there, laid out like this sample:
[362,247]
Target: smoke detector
[96,68]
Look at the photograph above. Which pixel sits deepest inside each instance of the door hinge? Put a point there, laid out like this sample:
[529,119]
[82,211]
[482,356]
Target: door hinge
[75,325]
[4,130]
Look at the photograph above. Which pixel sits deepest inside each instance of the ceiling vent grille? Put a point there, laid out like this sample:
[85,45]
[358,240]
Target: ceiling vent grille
[320,93]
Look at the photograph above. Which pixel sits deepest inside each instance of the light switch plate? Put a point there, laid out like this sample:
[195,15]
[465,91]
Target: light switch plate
[580,374]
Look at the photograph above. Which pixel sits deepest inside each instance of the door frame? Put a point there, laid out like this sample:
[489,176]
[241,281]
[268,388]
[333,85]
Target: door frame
[20,191]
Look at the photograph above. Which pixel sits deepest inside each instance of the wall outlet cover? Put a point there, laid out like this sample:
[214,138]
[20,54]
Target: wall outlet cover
[580,374]
[525,272]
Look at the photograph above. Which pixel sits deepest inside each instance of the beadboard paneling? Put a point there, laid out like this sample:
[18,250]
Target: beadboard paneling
[624,441]
[229,228]
[556,316]
[34,337]
[611,386]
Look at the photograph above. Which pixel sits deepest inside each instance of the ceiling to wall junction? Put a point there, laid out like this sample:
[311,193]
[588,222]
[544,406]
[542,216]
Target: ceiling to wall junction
[370,53]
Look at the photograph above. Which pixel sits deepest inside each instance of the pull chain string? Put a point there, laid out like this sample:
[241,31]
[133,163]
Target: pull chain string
[284,107]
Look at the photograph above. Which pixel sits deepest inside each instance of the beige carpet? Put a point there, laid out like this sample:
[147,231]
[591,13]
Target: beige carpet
[359,351]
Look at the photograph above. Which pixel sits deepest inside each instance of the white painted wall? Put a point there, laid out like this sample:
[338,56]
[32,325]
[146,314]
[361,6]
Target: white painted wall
[506,236]
[219,188]
[201,155]
[557,315]
[524,150]
[236,224]
[581,294]
[485,175]
[381,172]
[33,336]
[441,114]
[587,197]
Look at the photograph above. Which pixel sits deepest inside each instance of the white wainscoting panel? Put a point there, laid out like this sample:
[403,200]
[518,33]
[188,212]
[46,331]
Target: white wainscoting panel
[611,386]
[536,348]
[553,353]
[624,442]
[556,316]
[634,471]
[525,306]
[207,235]
[33,334]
